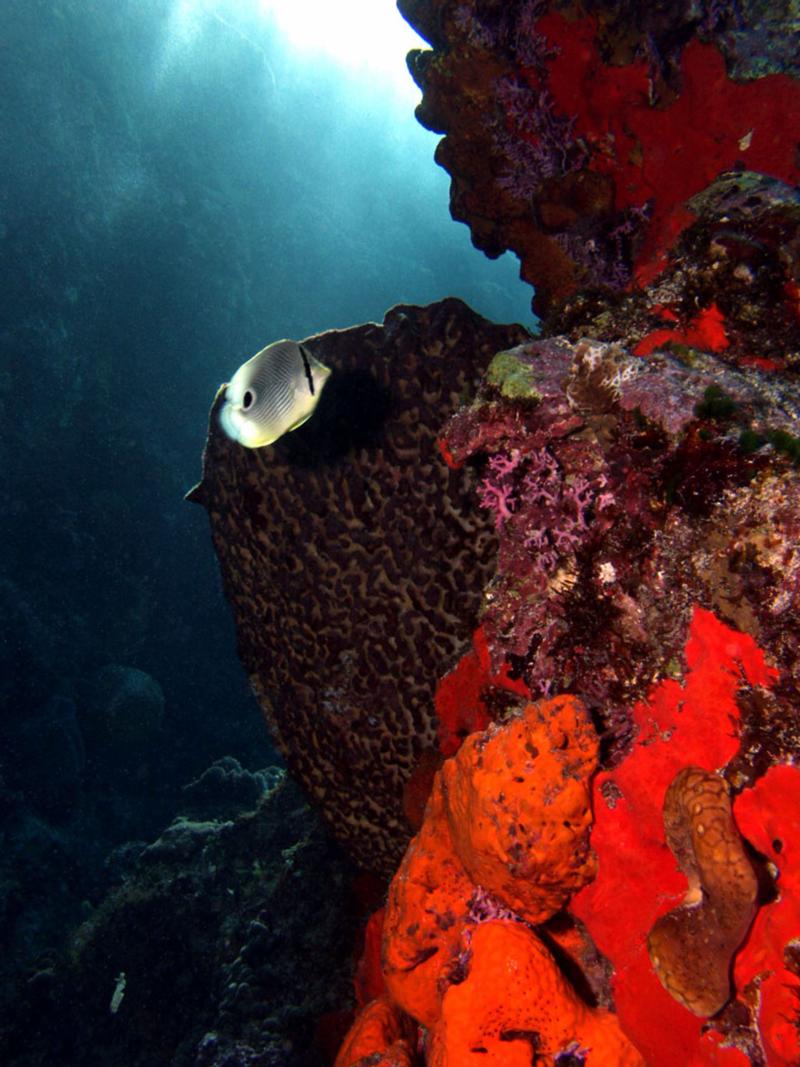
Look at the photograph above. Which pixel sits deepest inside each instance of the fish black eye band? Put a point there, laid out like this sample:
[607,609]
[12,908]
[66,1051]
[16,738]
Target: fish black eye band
[307,367]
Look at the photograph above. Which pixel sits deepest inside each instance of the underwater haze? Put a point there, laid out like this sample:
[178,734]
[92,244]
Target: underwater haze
[182,182]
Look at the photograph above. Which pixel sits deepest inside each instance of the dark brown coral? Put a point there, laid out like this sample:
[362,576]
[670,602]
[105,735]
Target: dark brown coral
[692,946]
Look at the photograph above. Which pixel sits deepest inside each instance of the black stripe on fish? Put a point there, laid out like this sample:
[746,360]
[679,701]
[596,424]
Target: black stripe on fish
[307,367]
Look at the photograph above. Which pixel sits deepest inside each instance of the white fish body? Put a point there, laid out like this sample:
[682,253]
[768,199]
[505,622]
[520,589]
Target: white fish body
[274,392]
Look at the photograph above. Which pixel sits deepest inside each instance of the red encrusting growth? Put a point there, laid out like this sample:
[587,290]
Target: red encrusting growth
[769,817]
[638,880]
[368,982]
[447,455]
[665,155]
[705,331]
[460,696]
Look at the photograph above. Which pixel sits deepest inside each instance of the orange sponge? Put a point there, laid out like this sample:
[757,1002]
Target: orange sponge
[515,1007]
[518,805]
[425,913]
[381,1037]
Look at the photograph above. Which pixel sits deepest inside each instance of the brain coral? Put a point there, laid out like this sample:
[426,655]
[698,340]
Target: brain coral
[353,559]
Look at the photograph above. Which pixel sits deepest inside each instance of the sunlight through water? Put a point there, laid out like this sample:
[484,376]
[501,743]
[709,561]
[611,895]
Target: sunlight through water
[367,40]
[367,37]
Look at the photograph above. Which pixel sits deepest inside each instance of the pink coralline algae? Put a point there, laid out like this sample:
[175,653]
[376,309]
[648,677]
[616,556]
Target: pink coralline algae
[611,480]
[497,491]
[552,515]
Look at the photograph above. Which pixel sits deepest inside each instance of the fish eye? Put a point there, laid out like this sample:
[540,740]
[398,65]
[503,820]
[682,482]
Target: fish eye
[247,399]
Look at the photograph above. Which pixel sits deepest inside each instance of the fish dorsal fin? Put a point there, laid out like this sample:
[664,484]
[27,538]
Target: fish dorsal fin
[307,357]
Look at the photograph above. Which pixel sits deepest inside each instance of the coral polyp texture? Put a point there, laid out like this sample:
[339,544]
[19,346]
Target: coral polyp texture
[575,133]
[353,559]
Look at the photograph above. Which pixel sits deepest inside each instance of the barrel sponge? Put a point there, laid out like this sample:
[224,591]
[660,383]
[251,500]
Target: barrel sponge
[353,556]
[518,806]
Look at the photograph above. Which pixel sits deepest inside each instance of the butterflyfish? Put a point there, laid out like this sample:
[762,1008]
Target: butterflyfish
[274,392]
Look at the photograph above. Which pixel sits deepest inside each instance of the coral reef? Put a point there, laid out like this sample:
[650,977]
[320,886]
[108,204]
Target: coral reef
[730,284]
[613,485]
[642,492]
[353,557]
[647,518]
[640,471]
[225,788]
[616,714]
[576,133]
[224,944]
[645,513]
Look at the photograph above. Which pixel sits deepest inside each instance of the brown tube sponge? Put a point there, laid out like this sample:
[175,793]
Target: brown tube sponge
[692,946]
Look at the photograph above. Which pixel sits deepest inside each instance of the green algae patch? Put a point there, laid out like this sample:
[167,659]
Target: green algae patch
[512,377]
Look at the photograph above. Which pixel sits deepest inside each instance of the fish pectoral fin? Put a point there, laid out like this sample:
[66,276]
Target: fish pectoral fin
[299,422]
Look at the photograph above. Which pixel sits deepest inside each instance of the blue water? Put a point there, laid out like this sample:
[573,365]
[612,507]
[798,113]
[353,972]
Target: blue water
[178,188]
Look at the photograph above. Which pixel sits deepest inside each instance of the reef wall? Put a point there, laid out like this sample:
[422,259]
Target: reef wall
[593,721]
[576,132]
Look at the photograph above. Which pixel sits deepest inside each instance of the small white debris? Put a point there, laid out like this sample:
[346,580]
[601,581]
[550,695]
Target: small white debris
[118,994]
[606,573]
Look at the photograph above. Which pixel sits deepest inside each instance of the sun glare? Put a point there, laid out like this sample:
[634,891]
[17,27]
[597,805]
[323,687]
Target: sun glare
[366,36]
[367,40]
